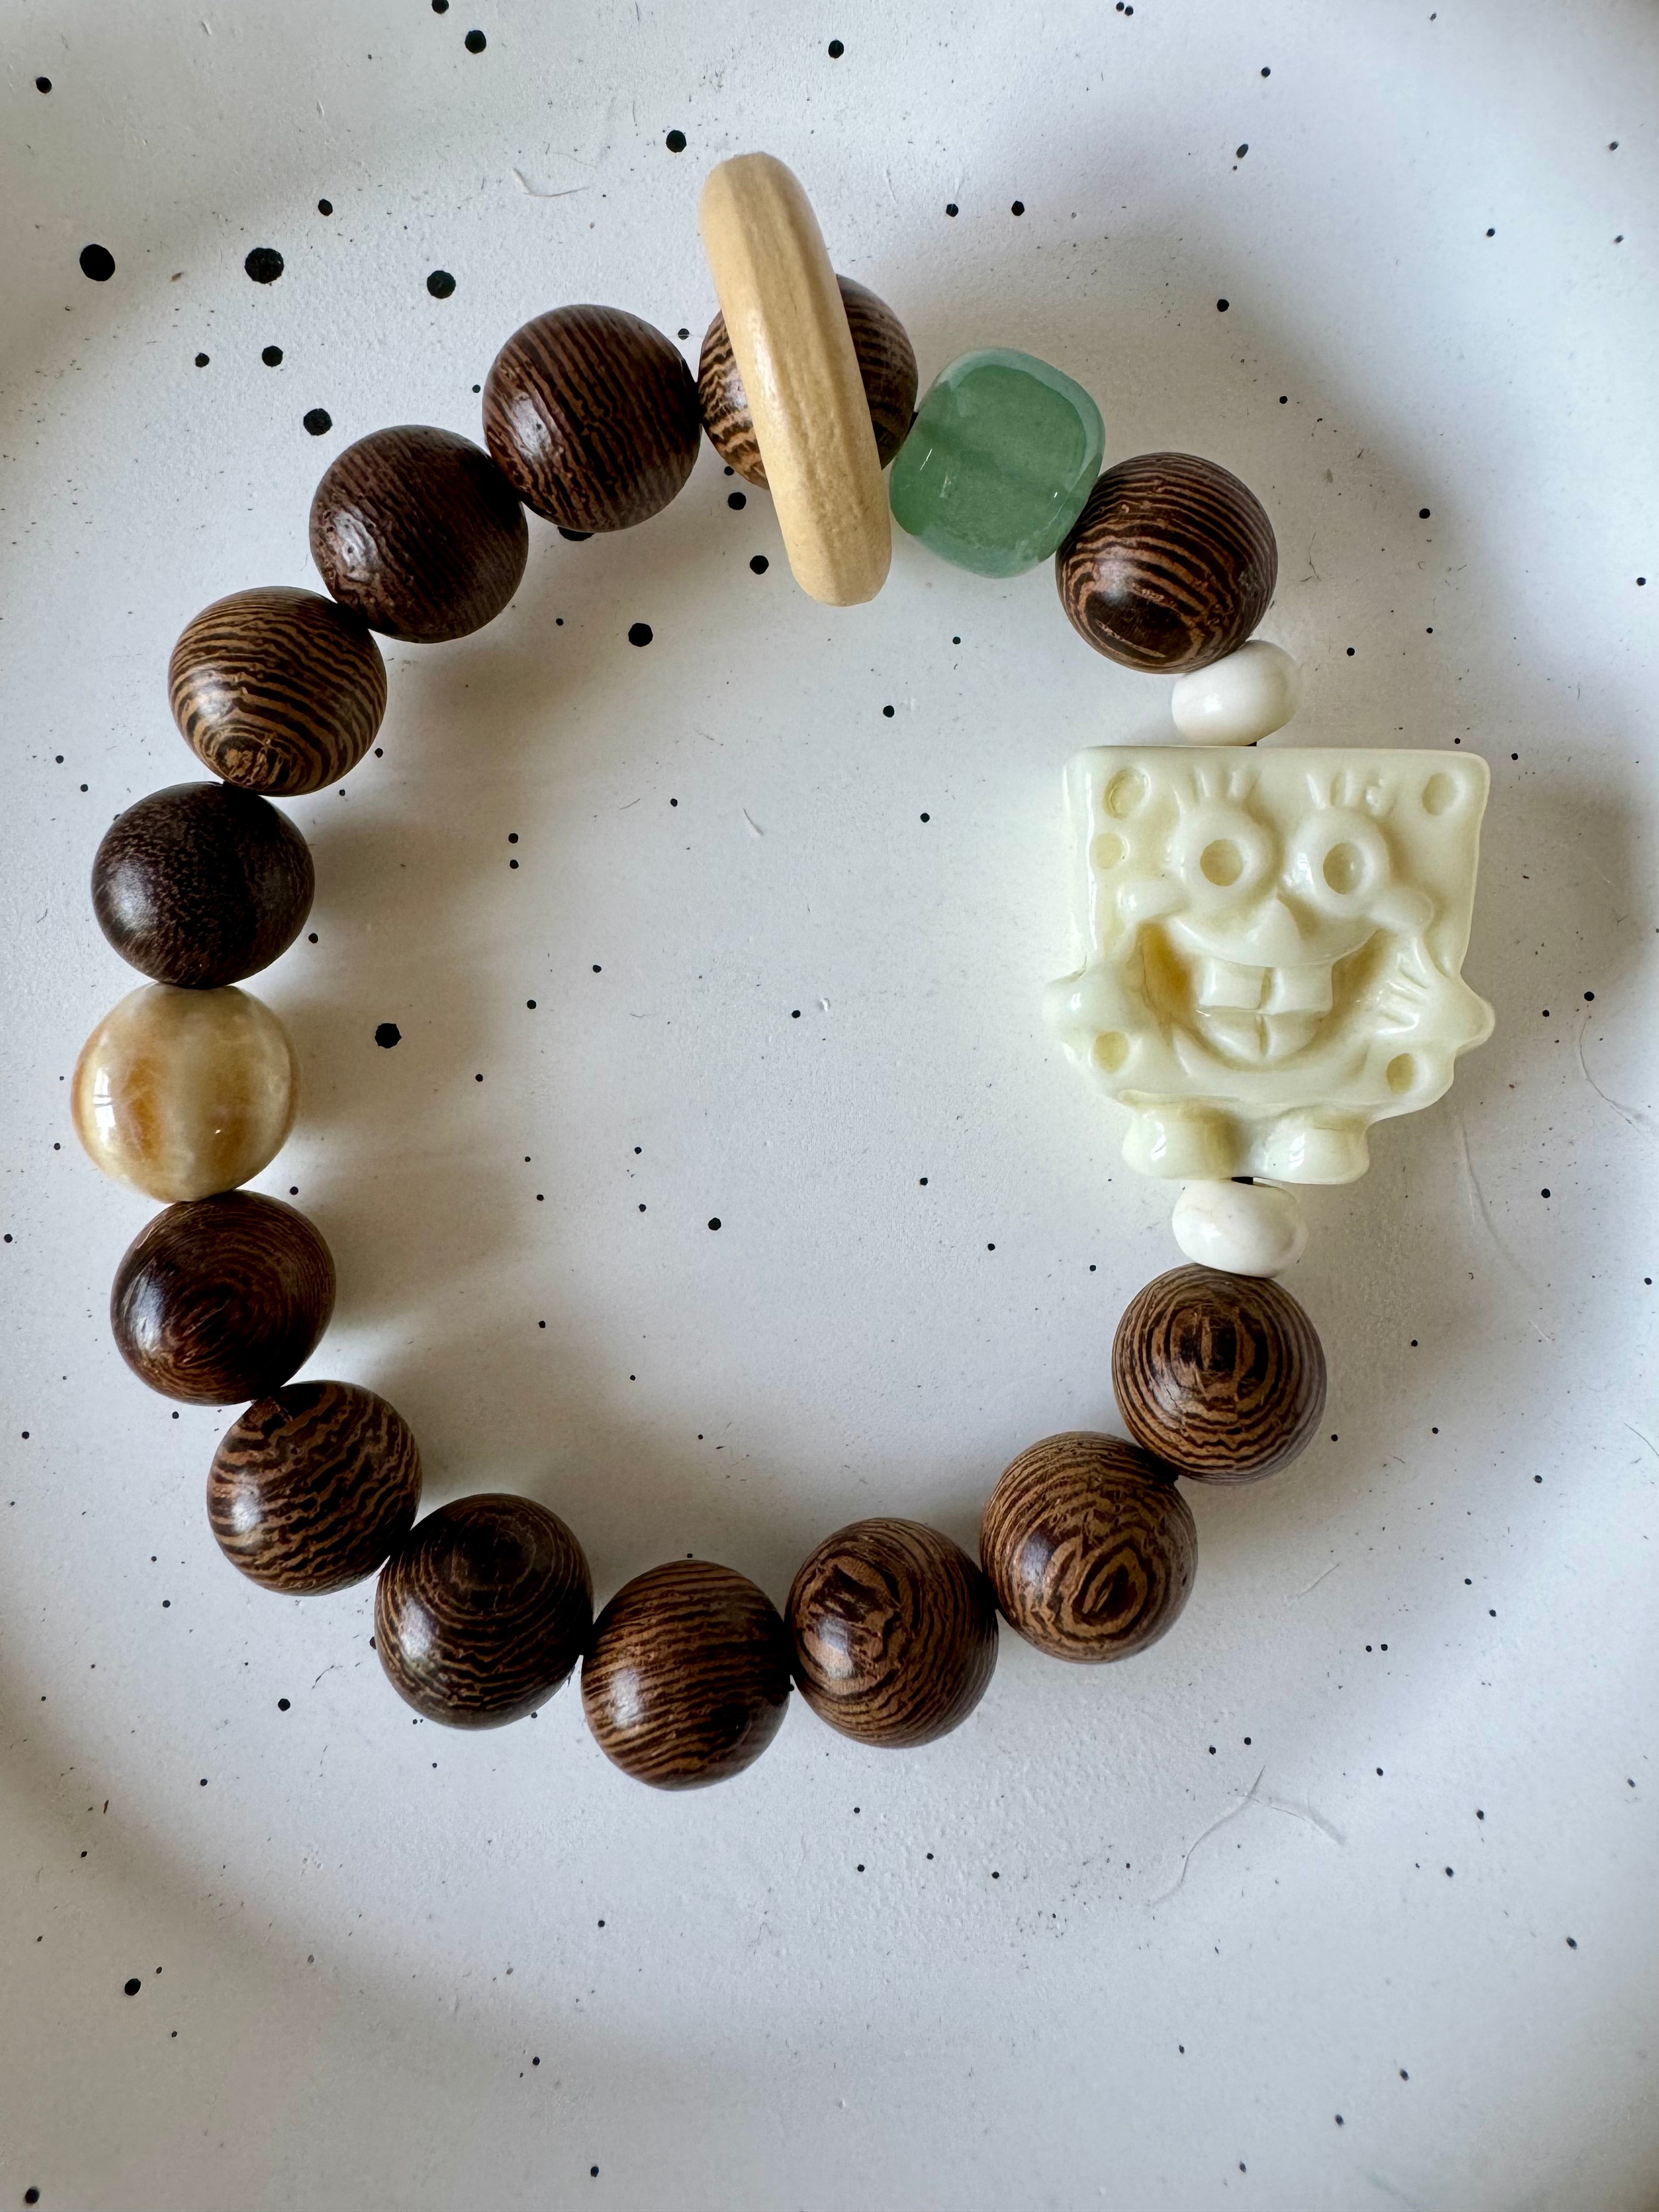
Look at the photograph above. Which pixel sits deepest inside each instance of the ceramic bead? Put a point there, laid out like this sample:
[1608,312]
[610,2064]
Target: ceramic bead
[183,1093]
[1235,701]
[894,1632]
[591,417]
[1240,1228]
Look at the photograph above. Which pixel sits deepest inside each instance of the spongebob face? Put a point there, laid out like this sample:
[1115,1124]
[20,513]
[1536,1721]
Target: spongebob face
[1272,945]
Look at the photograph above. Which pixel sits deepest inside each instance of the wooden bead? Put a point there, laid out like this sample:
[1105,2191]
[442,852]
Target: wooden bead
[200,884]
[419,532]
[887,364]
[894,1632]
[313,1486]
[591,417]
[220,1299]
[483,1610]
[277,690]
[687,1676]
[1090,1547]
[1171,564]
[1222,1376]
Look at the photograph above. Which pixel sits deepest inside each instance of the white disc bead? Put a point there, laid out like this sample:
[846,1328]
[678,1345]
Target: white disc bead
[1241,1228]
[1250,695]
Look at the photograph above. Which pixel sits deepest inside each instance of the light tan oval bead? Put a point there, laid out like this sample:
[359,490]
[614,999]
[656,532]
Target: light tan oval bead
[184,1093]
[788,333]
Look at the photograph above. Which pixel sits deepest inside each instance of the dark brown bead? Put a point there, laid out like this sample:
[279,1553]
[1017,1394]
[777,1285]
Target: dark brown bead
[277,690]
[687,1676]
[1169,566]
[592,415]
[200,884]
[419,532]
[312,1488]
[220,1299]
[1090,1547]
[1222,1376]
[894,1632]
[483,1610]
[886,362]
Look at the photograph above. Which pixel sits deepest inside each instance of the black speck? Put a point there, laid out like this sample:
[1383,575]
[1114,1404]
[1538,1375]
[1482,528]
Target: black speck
[596,967]
[639,633]
[43,84]
[1572,1942]
[1266,72]
[132,1986]
[311,937]
[386,1035]
[475,42]
[317,420]
[440,283]
[736,500]
[675,142]
[33,2195]
[264,264]
[1284,399]
[685,334]
[324,207]
[441,6]
[531,1003]
[201,361]
[98,263]
[714,1221]
[1338,2119]
[1221,307]
[1492,234]
[1449,1874]
[795,1016]
[594,2171]
[1018,208]
[836,50]
[759,563]
[1589,995]
[927,817]
[271,356]
[1422,513]
[1241,152]
[282,1705]
[888,711]
[950,208]
[1544,1191]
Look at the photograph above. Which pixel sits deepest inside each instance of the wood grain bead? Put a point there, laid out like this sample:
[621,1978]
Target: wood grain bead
[687,1676]
[894,1632]
[1170,565]
[887,363]
[483,1610]
[277,690]
[590,415]
[1221,1376]
[419,532]
[312,1488]
[220,1299]
[1088,1546]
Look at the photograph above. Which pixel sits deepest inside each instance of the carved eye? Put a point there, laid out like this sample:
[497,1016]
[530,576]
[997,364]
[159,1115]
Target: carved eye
[1338,860]
[1221,853]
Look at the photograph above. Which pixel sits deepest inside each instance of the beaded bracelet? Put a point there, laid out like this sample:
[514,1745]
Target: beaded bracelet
[1271,946]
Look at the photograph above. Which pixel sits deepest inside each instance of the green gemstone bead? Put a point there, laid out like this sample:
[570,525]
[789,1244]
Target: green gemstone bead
[1002,454]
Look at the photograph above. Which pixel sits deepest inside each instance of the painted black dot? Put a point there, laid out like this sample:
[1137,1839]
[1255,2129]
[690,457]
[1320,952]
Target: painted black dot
[1241,152]
[271,356]
[201,361]
[887,711]
[758,563]
[593,2170]
[836,50]
[386,1035]
[324,207]
[1351,653]
[596,967]
[686,334]
[1422,513]
[1338,2119]
[132,1986]
[950,208]
[1492,234]
[317,420]
[795,1016]
[98,263]
[441,6]
[1544,1191]
[264,264]
[531,1003]
[311,937]
[475,42]
[1284,399]
[1222,305]
[1018,208]
[1589,995]
[1572,1944]
[440,283]
[735,500]
[639,633]
[1641,580]
[32,2196]
[674,141]
[927,817]
[281,1705]
[1266,72]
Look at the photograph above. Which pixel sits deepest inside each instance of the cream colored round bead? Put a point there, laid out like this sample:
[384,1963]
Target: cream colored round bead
[183,1093]
[1250,695]
[1240,1228]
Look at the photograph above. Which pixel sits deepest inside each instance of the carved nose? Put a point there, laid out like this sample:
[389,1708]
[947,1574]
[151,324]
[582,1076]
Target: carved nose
[1274,938]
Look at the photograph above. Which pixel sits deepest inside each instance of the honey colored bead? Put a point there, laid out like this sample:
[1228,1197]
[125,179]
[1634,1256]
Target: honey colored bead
[1090,1547]
[183,1093]
[687,1675]
[1238,699]
[279,690]
[202,885]
[1221,1376]
[1240,1228]
[894,1632]
[887,364]
[1171,564]
[419,532]
[483,1611]
[312,1488]
[590,415]
[220,1299]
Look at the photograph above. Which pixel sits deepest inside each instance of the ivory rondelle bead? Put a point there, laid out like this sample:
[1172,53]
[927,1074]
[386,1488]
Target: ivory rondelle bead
[1240,1228]
[1248,695]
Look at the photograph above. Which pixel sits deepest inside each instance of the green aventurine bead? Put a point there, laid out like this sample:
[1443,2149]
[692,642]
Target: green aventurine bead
[1002,454]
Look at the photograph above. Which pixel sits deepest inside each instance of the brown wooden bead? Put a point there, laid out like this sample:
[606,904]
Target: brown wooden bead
[1220,1376]
[591,417]
[200,884]
[1089,1546]
[687,1676]
[887,363]
[277,690]
[483,1610]
[220,1299]
[894,1632]
[312,1488]
[1169,566]
[419,532]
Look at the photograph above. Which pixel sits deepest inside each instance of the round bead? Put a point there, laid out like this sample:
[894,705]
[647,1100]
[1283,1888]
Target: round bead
[591,417]
[313,1486]
[200,884]
[220,1299]
[419,532]
[1240,1228]
[1222,1376]
[687,1676]
[887,363]
[183,1093]
[483,1611]
[1090,1547]
[277,690]
[1235,701]
[1171,564]
[894,1632]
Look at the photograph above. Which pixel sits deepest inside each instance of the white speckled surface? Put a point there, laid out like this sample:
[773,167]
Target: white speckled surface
[1135,1971]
